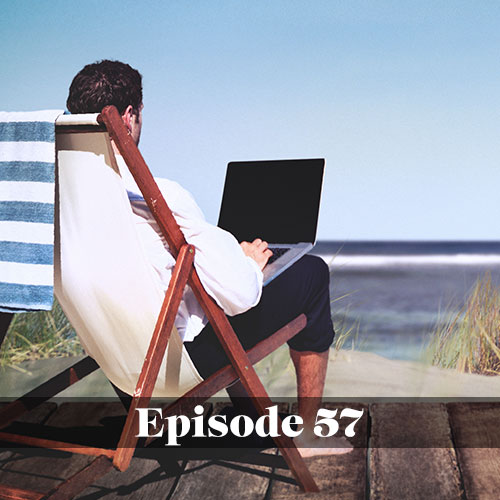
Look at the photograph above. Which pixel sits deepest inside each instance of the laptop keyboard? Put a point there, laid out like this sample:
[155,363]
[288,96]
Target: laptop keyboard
[277,253]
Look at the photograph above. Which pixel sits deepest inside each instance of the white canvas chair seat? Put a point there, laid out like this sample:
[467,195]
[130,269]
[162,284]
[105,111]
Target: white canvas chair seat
[103,281]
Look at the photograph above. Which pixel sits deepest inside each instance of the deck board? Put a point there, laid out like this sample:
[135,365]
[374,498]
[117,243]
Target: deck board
[144,479]
[416,460]
[439,452]
[341,477]
[35,469]
[220,481]
[475,426]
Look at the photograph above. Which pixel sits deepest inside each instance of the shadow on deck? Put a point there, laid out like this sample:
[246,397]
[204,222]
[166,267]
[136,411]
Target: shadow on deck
[401,451]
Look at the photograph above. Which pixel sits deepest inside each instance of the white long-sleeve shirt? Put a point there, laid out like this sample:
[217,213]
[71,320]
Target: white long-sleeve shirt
[231,278]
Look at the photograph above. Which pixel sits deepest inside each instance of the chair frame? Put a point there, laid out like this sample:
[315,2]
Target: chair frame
[241,362]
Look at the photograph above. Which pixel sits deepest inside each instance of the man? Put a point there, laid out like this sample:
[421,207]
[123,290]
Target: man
[230,272]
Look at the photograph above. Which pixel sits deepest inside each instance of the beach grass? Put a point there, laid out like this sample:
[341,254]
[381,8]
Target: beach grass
[469,340]
[39,335]
[48,334]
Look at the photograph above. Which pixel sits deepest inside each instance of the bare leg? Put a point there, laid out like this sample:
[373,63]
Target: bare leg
[310,368]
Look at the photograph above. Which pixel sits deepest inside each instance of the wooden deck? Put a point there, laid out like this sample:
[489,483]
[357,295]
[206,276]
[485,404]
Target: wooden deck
[402,451]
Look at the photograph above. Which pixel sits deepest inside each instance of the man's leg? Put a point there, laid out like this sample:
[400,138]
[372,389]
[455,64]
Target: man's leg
[303,288]
[310,368]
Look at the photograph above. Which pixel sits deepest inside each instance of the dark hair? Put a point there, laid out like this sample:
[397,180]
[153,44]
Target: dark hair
[105,83]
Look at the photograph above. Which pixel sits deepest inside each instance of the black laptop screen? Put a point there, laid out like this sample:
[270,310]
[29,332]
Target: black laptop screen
[277,200]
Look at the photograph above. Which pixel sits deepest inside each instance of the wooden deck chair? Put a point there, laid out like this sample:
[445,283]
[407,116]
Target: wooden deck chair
[114,300]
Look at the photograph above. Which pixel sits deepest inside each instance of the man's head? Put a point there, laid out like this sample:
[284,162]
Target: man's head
[107,83]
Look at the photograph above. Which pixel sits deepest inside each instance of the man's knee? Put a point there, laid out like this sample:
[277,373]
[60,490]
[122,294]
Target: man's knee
[315,269]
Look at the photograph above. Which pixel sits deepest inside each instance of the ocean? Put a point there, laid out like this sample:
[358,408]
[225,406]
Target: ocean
[394,293]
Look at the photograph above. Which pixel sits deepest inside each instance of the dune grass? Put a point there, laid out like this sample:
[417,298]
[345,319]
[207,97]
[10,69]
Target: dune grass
[49,334]
[40,335]
[469,341]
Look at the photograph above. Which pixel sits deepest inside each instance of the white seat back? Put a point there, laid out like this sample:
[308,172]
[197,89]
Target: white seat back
[103,281]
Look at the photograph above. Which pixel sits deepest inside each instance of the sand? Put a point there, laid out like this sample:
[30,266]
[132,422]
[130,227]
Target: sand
[367,375]
[350,374]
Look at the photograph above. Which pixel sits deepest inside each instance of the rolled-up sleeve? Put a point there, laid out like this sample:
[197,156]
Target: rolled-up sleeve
[231,278]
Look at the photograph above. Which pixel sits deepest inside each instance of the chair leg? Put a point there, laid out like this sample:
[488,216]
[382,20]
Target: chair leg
[252,384]
[5,319]
[287,447]
[155,354]
[83,478]
[225,376]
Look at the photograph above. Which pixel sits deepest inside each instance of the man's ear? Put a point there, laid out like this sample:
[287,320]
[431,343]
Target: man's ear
[127,117]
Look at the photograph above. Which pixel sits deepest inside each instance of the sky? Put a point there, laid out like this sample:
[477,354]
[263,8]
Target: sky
[401,98]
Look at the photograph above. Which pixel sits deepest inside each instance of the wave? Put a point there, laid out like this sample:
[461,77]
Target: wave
[410,260]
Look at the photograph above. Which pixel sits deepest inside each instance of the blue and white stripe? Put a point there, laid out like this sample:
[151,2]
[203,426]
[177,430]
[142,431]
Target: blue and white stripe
[27,160]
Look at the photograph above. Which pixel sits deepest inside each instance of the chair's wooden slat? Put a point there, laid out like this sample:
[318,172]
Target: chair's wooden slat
[155,354]
[47,390]
[9,437]
[9,493]
[83,478]
[252,383]
[143,177]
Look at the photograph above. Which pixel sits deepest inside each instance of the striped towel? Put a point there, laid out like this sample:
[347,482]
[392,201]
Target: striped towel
[27,159]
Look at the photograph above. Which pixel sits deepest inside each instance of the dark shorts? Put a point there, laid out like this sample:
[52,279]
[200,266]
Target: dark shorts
[303,288]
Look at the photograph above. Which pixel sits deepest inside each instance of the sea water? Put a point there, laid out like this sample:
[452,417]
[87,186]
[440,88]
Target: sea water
[393,294]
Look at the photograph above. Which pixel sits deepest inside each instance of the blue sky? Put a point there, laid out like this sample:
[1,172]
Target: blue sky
[401,98]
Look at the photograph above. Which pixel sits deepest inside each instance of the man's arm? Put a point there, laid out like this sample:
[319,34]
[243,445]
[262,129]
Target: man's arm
[230,273]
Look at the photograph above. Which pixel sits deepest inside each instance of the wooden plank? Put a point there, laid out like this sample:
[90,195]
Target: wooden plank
[220,481]
[14,462]
[144,480]
[92,423]
[412,454]
[67,430]
[227,472]
[43,470]
[143,177]
[155,354]
[54,445]
[74,485]
[477,441]
[38,415]
[338,476]
[7,493]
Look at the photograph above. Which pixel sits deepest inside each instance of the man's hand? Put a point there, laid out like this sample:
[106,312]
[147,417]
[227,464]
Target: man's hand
[257,250]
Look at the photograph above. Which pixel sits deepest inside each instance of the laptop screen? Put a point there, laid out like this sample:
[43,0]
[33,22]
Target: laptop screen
[276,200]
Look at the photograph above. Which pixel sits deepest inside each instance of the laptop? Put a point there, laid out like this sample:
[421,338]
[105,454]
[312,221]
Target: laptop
[277,201]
